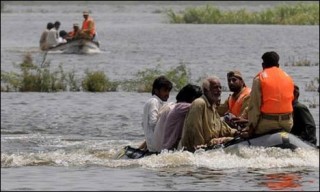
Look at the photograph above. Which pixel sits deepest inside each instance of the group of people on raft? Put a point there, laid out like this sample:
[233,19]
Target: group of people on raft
[51,36]
[198,118]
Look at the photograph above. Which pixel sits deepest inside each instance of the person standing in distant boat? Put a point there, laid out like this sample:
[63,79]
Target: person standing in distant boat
[270,106]
[161,88]
[43,38]
[303,122]
[88,29]
[236,105]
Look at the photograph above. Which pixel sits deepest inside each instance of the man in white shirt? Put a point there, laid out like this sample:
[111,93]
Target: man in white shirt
[53,36]
[160,93]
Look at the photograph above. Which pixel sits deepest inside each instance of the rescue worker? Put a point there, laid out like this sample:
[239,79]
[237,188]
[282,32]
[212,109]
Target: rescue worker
[88,29]
[75,33]
[236,105]
[270,106]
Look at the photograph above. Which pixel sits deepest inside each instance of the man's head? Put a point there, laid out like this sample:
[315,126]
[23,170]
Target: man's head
[235,81]
[189,93]
[75,26]
[211,88]
[296,92]
[270,59]
[161,87]
[85,14]
[57,24]
[50,25]
[63,34]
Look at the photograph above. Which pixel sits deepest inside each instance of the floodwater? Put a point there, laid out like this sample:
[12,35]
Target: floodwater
[67,140]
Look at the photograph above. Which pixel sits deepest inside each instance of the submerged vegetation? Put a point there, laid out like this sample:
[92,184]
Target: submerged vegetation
[301,13]
[35,78]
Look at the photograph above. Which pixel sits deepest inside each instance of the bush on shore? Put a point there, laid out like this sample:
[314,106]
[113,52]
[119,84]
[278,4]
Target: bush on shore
[301,13]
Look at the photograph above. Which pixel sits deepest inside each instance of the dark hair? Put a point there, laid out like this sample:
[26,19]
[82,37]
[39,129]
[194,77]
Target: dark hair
[57,23]
[63,33]
[50,25]
[189,93]
[270,59]
[296,91]
[160,82]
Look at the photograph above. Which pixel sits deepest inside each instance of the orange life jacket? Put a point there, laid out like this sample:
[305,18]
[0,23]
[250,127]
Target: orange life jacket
[277,91]
[86,24]
[236,104]
[73,33]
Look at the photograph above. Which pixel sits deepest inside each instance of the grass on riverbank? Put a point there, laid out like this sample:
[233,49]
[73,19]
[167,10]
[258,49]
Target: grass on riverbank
[301,13]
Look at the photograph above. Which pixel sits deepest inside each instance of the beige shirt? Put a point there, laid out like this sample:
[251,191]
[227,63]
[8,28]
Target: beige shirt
[202,125]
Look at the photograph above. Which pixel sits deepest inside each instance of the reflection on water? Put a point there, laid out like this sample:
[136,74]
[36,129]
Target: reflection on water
[282,181]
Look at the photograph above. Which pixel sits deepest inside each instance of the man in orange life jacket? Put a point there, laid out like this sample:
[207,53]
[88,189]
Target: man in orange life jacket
[74,34]
[270,106]
[236,105]
[88,29]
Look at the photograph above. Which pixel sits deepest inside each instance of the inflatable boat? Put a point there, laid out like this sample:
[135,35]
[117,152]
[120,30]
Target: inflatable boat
[282,140]
[78,46]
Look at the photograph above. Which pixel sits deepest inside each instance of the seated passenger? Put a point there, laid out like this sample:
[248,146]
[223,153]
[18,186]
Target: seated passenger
[203,125]
[161,88]
[236,105]
[75,33]
[43,38]
[62,37]
[175,119]
[53,36]
[303,122]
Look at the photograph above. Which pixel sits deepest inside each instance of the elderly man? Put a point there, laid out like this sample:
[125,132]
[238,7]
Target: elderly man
[203,125]
[236,105]
[270,106]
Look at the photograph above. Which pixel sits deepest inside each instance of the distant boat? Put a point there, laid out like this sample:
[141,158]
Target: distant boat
[77,46]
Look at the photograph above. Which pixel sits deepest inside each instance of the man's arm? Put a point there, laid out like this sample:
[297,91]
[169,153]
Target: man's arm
[254,105]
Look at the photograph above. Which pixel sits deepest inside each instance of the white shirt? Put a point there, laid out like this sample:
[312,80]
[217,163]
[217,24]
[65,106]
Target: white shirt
[52,39]
[159,128]
[149,119]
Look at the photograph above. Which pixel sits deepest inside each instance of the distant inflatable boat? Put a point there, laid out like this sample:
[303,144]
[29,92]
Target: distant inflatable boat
[282,140]
[78,46]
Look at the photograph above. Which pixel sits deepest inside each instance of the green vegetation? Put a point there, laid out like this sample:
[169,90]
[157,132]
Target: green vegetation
[179,76]
[34,78]
[97,82]
[301,13]
[311,86]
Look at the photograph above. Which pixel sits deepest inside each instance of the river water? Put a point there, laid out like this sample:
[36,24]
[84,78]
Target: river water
[67,140]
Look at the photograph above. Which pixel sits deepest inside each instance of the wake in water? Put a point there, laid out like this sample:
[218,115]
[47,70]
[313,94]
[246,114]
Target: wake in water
[245,157]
